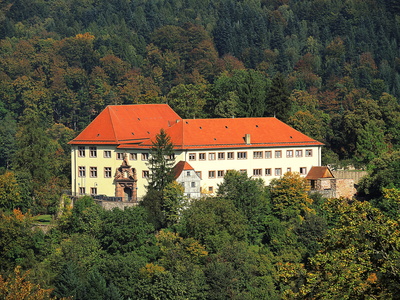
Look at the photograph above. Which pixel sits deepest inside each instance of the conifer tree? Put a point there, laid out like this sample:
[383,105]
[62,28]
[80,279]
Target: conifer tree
[160,165]
[161,162]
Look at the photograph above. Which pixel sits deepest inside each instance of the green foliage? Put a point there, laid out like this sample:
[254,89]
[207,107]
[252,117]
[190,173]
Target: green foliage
[289,197]
[19,244]
[189,100]
[160,165]
[249,196]
[127,266]
[278,104]
[359,256]
[10,196]
[161,161]
[85,217]
[7,140]
[125,231]
[64,61]
[247,87]
[213,222]
[174,202]
[383,173]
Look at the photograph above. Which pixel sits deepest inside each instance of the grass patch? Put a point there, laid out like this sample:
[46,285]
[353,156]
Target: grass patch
[43,219]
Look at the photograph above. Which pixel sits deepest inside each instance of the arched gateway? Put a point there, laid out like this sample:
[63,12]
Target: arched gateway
[126,182]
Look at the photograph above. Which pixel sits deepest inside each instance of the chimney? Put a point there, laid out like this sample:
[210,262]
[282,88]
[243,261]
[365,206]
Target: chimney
[247,139]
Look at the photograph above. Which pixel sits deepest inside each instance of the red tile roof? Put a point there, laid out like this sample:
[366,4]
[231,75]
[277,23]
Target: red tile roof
[319,172]
[134,126]
[180,167]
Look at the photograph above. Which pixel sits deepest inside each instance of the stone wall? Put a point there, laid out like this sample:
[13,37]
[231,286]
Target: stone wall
[350,174]
[335,187]
[344,188]
[109,205]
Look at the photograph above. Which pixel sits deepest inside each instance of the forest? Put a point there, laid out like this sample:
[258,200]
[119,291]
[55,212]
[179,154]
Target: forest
[329,68]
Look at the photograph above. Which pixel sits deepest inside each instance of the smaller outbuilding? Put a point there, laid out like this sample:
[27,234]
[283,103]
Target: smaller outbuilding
[185,175]
[322,180]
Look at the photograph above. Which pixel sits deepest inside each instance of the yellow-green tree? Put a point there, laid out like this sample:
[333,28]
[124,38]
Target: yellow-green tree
[360,256]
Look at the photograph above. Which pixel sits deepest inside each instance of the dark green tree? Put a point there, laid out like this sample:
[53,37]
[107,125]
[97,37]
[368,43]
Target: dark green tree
[7,140]
[127,230]
[160,165]
[249,196]
[161,162]
[278,99]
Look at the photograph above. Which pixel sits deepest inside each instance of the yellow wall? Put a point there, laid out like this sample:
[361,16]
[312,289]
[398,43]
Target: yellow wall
[105,186]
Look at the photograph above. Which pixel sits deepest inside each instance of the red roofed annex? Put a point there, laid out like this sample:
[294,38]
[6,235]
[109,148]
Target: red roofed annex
[121,135]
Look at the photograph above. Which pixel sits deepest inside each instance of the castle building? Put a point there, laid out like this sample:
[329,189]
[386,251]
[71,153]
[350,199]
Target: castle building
[109,157]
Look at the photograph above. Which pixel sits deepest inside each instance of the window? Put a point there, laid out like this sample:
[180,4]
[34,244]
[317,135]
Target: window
[82,191]
[107,172]
[146,174]
[93,172]
[192,156]
[289,153]
[211,189]
[81,171]
[221,155]
[267,172]
[299,153]
[303,170]
[120,155]
[81,151]
[211,156]
[230,155]
[242,155]
[278,154]
[268,154]
[308,152]
[278,172]
[93,191]
[220,173]
[211,174]
[202,156]
[107,154]
[133,156]
[92,151]
[198,173]
[243,171]
[257,154]
[171,156]
[188,173]
[257,172]
[193,184]
[289,170]
[145,156]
